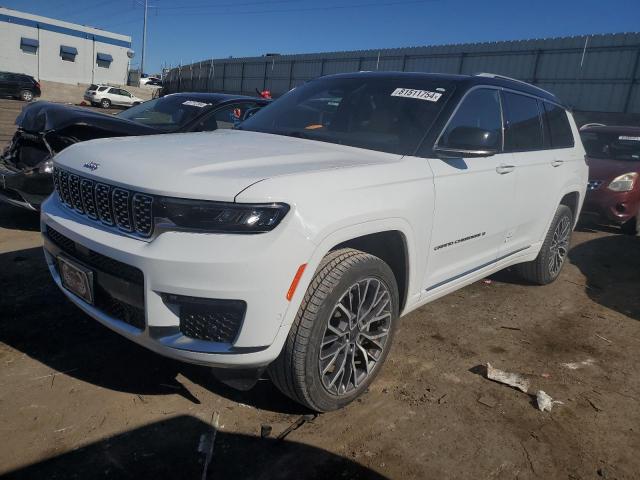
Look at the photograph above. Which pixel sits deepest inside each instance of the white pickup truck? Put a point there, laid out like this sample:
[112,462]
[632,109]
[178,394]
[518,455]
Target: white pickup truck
[294,242]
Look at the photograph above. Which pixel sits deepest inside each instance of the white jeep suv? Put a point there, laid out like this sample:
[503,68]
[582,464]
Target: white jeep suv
[295,241]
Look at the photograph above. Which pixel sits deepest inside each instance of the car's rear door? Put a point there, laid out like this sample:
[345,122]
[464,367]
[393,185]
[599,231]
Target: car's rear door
[539,167]
[471,195]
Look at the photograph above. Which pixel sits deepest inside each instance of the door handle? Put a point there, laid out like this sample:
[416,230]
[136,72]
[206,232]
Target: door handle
[557,163]
[502,169]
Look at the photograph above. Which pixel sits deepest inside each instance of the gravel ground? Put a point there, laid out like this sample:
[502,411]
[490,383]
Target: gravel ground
[78,401]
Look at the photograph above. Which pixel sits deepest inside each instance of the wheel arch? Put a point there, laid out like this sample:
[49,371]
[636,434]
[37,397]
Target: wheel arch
[572,200]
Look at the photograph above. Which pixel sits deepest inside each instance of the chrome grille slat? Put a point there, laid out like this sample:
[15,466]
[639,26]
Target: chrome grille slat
[594,184]
[129,211]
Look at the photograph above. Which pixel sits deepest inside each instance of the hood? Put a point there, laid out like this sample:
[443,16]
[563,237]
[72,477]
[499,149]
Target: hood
[41,117]
[210,165]
[606,169]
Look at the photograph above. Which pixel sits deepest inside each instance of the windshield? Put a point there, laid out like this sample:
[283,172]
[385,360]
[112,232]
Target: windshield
[166,113]
[611,145]
[388,114]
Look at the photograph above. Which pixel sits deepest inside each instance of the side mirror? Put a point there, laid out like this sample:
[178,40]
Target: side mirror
[467,141]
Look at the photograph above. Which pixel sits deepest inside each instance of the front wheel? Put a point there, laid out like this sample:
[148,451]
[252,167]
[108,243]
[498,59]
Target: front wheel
[548,264]
[26,95]
[105,103]
[342,333]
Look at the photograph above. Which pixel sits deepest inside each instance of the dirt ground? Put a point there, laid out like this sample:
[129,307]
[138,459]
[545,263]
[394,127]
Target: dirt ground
[78,401]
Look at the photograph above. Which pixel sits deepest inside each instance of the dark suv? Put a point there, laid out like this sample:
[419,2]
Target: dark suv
[19,85]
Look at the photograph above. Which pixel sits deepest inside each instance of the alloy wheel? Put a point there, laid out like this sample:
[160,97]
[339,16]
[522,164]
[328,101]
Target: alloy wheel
[559,245]
[356,336]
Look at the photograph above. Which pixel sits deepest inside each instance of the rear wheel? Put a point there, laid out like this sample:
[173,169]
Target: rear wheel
[105,103]
[26,95]
[342,333]
[548,264]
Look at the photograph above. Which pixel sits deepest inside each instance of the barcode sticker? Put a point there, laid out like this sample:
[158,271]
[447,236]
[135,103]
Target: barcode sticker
[417,94]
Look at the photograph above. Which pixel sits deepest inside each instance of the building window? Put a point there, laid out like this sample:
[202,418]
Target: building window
[68,54]
[104,60]
[29,45]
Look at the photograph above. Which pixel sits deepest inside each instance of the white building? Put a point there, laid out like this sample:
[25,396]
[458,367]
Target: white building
[60,51]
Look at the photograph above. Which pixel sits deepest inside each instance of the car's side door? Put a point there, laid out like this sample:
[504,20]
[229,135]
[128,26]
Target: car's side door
[473,188]
[126,98]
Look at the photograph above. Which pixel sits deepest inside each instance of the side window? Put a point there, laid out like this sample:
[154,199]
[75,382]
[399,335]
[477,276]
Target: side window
[557,126]
[477,124]
[225,117]
[523,130]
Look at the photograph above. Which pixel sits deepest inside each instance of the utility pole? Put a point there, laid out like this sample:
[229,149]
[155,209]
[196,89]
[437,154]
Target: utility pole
[144,37]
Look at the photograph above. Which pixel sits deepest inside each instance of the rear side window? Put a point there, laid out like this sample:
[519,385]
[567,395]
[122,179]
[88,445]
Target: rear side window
[477,123]
[523,130]
[557,126]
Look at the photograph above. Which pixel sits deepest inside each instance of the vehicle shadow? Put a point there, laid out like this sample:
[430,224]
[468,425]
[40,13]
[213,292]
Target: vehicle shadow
[38,320]
[611,266]
[173,448]
[16,218]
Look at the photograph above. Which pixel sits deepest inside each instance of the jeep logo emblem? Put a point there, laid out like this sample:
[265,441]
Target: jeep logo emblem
[93,166]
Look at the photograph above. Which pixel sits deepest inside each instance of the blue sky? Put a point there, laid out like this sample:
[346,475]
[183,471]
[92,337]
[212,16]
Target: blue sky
[192,30]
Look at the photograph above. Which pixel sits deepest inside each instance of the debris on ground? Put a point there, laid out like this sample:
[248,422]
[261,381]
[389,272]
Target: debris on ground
[207,442]
[603,338]
[512,379]
[297,424]
[265,430]
[487,281]
[545,402]
[487,401]
[577,365]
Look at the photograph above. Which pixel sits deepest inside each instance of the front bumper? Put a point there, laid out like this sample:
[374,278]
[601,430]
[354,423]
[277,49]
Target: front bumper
[255,269]
[24,188]
[610,206]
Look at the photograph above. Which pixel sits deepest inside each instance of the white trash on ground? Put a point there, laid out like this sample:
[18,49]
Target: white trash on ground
[512,379]
[545,402]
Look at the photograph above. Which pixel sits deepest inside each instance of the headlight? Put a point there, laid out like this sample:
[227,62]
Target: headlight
[46,167]
[623,183]
[219,217]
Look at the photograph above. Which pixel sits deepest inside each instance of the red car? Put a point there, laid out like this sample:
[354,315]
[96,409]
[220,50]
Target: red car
[613,193]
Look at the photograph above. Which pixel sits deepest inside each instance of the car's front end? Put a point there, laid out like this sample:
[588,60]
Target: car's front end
[613,191]
[164,251]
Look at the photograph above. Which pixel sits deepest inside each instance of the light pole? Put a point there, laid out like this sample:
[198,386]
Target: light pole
[144,37]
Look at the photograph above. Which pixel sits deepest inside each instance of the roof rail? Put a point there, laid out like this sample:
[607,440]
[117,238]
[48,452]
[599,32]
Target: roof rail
[504,77]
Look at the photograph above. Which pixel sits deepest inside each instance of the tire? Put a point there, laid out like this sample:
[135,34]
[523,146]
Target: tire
[26,95]
[105,103]
[553,253]
[343,275]
[629,227]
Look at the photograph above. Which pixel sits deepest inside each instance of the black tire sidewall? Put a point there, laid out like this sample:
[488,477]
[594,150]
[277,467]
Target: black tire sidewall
[105,103]
[372,267]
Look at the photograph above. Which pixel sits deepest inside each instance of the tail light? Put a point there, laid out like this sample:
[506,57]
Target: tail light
[37,84]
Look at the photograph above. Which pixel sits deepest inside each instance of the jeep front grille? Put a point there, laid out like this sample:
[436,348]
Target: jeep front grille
[129,211]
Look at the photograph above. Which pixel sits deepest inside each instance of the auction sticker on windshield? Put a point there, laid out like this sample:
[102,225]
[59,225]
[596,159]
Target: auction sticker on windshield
[193,103]
[417,94]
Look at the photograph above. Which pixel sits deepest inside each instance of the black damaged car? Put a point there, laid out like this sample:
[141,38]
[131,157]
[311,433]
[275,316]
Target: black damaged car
[45,129]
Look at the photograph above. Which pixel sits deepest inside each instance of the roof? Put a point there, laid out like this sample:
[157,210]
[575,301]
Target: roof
[469,80]
[214,97]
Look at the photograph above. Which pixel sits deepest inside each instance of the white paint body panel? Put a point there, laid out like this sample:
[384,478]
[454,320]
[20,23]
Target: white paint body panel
[336,193]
